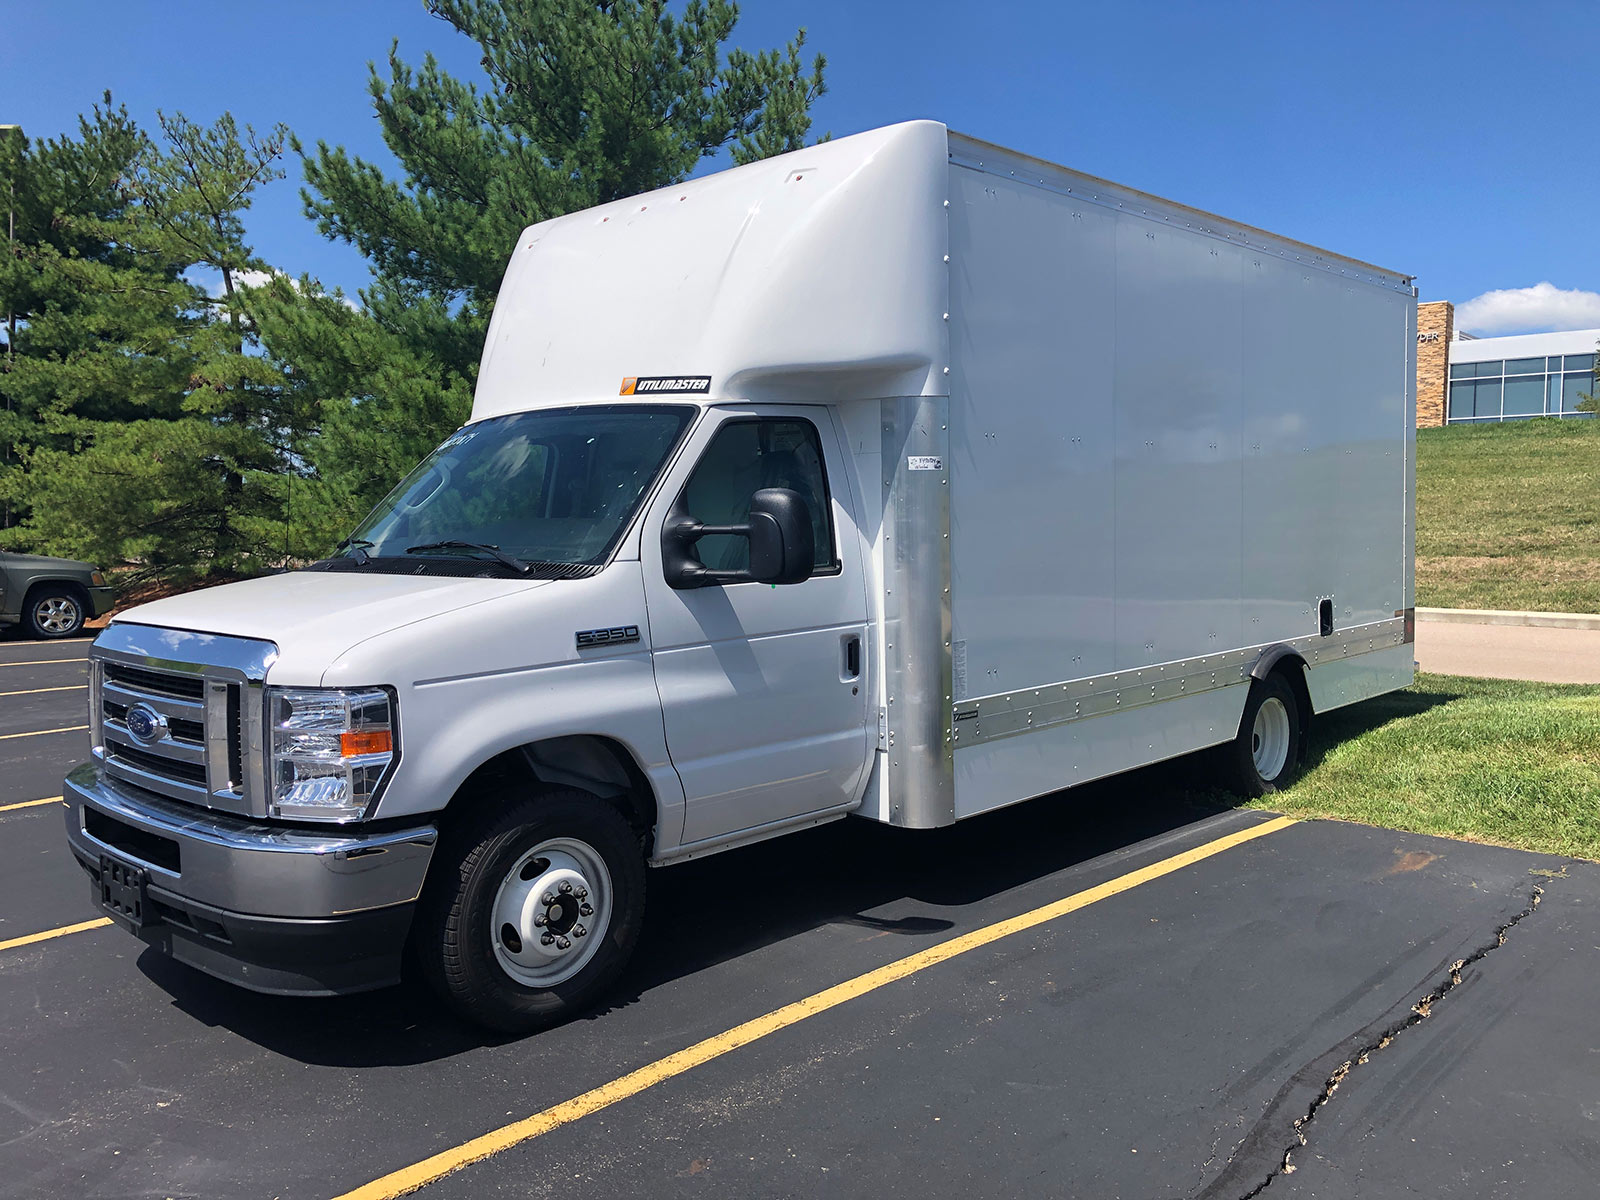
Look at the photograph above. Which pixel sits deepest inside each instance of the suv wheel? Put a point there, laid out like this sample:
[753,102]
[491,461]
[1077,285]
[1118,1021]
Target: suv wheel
[54,612]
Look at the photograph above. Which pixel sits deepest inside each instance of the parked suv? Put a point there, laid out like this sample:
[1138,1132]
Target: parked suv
[50,597]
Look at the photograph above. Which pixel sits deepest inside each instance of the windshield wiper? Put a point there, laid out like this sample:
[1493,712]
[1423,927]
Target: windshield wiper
[504,559]
[360,546]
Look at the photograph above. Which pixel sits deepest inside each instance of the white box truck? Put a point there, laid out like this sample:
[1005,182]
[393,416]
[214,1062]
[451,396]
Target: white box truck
[903,476]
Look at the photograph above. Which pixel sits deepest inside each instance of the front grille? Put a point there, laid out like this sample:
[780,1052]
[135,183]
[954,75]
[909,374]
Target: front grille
[195,752]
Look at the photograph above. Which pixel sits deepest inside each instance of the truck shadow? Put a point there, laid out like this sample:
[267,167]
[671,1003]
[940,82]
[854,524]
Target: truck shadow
[845,873]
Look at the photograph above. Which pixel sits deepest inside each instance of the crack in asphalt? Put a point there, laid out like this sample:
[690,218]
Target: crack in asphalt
[1420,1012]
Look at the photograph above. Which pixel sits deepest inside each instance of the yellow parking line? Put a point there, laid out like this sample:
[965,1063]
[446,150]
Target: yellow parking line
[71,687]
[44,662]
[409,1179]
[42,732]
[80,927]
[30,803]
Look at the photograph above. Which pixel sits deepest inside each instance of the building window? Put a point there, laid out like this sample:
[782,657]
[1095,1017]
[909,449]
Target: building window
[1574,389]
[1525,396]
[1517,388]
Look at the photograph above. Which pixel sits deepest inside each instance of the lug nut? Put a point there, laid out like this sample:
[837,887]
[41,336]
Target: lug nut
[586,909]
[579,931]
[565,886]
[547,939]
[540,920]
[547,899]
[563,943]
[582,893]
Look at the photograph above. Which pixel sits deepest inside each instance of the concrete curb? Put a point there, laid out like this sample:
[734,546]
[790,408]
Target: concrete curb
[1495,616]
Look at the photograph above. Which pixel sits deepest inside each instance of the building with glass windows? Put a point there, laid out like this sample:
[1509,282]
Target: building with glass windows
[1462,378]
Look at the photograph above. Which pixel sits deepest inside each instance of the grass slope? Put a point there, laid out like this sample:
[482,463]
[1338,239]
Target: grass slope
[1508,516]
[1489,760]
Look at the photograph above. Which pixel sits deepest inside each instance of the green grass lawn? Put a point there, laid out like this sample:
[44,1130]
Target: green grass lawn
[1508,516]
[1489,760]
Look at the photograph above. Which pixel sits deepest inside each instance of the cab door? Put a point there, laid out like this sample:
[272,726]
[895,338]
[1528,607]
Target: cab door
[762,688]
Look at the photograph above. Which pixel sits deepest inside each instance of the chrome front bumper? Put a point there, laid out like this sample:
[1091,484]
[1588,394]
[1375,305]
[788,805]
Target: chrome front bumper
[295,911]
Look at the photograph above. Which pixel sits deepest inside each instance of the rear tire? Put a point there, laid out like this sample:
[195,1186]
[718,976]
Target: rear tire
[1265,756]
[563,865]
[54,610]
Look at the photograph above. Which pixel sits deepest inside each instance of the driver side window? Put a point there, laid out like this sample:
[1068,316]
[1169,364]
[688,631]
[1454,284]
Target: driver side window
[743,458]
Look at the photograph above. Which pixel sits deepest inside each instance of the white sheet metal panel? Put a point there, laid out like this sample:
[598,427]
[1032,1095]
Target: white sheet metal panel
[1360,677]
[810,276]
[1171,436]
[1032,410]
[1178,348]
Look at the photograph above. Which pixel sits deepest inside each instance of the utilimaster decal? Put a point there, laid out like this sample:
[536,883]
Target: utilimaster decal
[655,385]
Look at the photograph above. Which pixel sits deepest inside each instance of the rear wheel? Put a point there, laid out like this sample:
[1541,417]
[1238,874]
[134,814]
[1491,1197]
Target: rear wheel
[531,912]
[1265,756]
[54,611]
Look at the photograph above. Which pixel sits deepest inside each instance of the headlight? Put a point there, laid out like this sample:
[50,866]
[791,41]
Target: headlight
[331,750]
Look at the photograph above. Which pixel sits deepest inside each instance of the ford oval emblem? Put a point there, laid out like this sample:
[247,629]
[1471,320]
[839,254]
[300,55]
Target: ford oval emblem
[145,724]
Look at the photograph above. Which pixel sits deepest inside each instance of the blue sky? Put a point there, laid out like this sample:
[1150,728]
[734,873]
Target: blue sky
[1446,140]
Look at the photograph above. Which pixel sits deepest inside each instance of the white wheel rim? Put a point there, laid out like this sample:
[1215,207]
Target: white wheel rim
[56,614]
[1269,739]
[566,897]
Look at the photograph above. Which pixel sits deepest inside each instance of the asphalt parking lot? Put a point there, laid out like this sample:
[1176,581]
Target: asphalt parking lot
[1114,993]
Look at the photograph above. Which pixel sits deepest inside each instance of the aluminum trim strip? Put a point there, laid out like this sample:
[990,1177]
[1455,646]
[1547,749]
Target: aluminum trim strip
[918,679]
[1006,714]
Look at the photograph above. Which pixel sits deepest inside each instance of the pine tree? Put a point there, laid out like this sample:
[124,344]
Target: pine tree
[585,101]
[70,290]
[160,433]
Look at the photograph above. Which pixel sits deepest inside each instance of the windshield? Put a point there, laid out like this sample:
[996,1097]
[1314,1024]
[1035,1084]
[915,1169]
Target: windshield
[557,486]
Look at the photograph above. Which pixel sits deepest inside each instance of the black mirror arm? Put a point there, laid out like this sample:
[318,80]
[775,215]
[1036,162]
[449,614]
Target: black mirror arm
[685,571]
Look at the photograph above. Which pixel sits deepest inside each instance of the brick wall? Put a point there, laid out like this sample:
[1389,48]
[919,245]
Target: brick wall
[1436,325]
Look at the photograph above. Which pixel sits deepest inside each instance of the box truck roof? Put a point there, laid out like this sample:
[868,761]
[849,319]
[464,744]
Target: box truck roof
[821,274]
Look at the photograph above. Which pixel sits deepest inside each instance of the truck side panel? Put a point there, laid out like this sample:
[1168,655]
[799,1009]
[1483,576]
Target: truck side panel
[1171,441]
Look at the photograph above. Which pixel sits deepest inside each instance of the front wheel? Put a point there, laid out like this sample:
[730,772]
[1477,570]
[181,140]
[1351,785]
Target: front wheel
[531,912]
[1265,756]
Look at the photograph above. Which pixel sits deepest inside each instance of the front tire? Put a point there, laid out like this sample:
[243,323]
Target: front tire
[563,866]
[1265,756]
[54,611]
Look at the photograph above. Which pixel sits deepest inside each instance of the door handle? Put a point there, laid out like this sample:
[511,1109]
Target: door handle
[852,657]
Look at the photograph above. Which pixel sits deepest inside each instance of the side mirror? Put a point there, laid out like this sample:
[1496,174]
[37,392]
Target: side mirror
[782,547]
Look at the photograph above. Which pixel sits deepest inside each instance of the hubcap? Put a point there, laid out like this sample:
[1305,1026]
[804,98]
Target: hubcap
[56,614]
[1269,740]
[551,912]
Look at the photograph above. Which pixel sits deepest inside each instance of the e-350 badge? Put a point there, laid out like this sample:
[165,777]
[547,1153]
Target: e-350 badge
[607,637]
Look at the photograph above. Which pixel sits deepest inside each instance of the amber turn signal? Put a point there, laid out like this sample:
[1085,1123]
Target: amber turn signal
[366,741]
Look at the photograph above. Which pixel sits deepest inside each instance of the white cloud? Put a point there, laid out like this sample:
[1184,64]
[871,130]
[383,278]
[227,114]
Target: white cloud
[1542,308]
[211,281]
